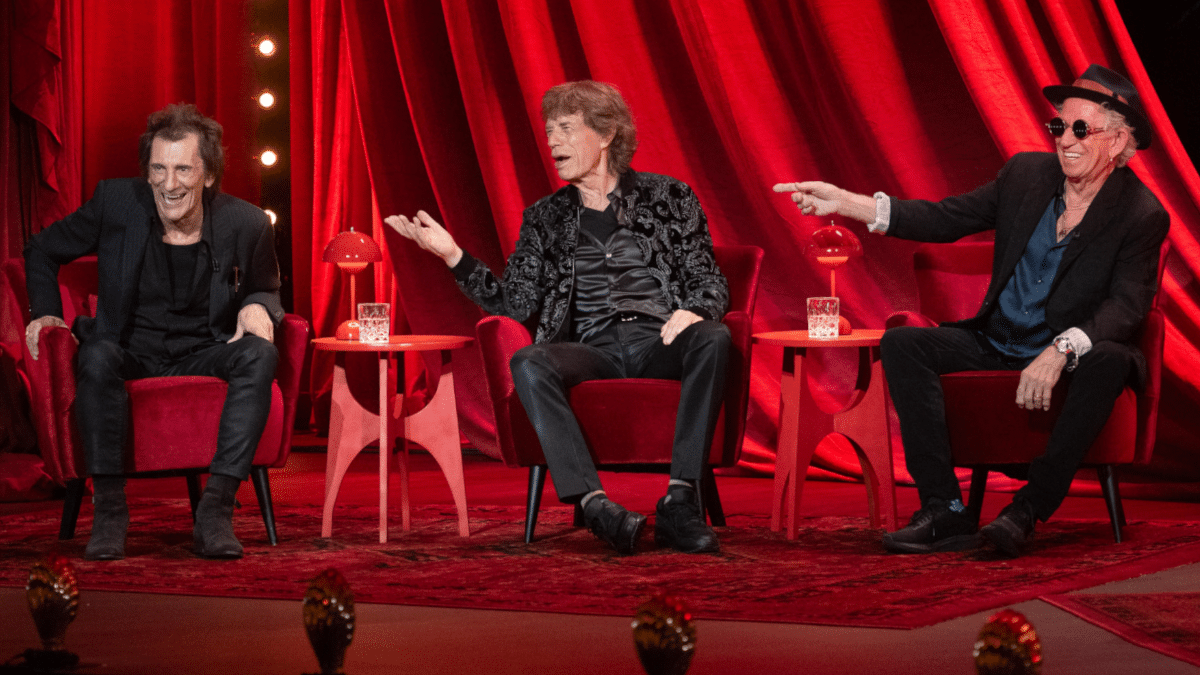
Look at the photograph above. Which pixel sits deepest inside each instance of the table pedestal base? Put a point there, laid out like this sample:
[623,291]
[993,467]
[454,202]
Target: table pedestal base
[861,424]
[352,427]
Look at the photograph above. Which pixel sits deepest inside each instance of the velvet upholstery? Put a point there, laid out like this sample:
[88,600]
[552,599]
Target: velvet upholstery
[173,420]
[629,424]
[987,431]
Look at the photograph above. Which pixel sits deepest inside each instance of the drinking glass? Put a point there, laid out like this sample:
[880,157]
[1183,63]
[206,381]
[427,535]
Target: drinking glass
[823,318]
[374,322]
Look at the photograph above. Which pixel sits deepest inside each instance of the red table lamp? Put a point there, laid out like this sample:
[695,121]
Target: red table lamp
[831,247]
[351,252]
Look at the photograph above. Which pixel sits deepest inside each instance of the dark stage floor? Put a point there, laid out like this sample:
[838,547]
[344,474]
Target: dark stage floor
[143,633]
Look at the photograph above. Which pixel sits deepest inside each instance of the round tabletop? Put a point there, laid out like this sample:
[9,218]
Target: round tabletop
[395,343]
[861,337]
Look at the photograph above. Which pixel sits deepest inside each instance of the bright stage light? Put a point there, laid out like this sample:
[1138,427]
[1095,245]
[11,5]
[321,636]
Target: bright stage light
[266,99]
[272,215]
[268,158]
[266,46]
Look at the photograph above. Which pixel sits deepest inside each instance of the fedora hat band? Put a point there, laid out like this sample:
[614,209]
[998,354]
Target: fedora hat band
[1097,87]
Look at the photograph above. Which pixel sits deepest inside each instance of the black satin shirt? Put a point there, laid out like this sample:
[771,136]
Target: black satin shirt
[611,277]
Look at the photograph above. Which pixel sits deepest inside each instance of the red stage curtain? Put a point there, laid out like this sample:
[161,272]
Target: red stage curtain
[919,99]
[77,80]
[409,104]
[82,75]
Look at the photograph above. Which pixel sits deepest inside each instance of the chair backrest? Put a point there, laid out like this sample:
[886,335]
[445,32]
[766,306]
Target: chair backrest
[952,279]
[741,266]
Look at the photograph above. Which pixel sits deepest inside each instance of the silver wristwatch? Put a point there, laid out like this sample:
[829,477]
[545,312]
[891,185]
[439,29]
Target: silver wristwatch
[1063,345]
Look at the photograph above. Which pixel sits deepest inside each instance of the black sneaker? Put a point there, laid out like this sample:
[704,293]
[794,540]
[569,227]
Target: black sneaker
[1012,530]
[934,528]
[680,525]
[613,524]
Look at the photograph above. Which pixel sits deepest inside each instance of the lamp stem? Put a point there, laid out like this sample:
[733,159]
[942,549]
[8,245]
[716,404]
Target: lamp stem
[353,315]
[832,282]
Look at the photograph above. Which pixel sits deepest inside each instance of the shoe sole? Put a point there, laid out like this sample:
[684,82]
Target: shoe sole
[226,554]
[665,540]
[1003,540]
[219,555]
[961,542]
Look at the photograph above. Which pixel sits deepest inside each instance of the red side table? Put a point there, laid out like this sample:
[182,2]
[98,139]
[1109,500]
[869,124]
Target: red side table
[352,426]
[862,422]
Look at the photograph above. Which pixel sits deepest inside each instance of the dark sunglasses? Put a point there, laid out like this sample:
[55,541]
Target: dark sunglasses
[1080,128]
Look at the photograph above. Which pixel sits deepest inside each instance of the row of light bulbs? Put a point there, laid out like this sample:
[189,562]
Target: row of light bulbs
[266,100]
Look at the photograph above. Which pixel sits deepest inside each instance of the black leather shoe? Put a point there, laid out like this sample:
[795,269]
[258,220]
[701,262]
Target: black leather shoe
[613,524]
[680,524]
[110,520]
[934,528]
[212,533]
[1012,530]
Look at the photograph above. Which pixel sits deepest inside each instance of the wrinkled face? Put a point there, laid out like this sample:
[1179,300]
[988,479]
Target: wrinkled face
[577,150]
[1087,158]
[177,177]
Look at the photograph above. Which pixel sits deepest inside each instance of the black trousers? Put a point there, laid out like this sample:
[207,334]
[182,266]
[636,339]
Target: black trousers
[543,373]
[102,405]
[915,358]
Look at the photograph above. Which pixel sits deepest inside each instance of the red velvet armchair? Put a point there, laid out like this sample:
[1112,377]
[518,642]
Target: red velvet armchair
[987,431]
[173,420]
[629,423]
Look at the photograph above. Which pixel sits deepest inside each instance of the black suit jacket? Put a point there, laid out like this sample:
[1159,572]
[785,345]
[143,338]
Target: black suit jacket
[1108,276]
[116,223]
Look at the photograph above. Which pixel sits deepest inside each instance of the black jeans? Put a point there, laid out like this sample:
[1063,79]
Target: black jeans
[102,404]
[915,358]
[543,373]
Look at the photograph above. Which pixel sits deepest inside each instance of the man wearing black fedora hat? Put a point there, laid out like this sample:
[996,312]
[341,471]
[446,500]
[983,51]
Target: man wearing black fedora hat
[1077,237]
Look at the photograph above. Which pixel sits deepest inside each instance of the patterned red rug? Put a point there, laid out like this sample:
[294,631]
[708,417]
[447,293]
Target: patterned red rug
[834,574]
[1168,623]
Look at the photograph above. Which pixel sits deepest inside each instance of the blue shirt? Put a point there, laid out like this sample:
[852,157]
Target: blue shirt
[1017,327]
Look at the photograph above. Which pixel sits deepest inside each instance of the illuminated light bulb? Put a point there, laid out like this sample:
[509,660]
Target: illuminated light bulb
[266,100]
[268,158]
[272,215]
[266,46]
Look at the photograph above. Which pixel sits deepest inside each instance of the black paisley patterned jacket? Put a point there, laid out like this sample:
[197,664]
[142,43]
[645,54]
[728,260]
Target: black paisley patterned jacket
[671,230]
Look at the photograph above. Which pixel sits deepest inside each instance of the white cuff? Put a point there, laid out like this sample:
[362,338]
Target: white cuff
[1080,342]
[883,214]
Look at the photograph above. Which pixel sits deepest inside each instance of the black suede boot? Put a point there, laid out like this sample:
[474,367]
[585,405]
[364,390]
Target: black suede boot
[213,532]
[110,519]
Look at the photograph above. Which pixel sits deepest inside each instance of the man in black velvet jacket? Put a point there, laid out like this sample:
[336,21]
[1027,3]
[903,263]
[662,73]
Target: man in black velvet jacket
[1078,240]
[188,285]
[618,266]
